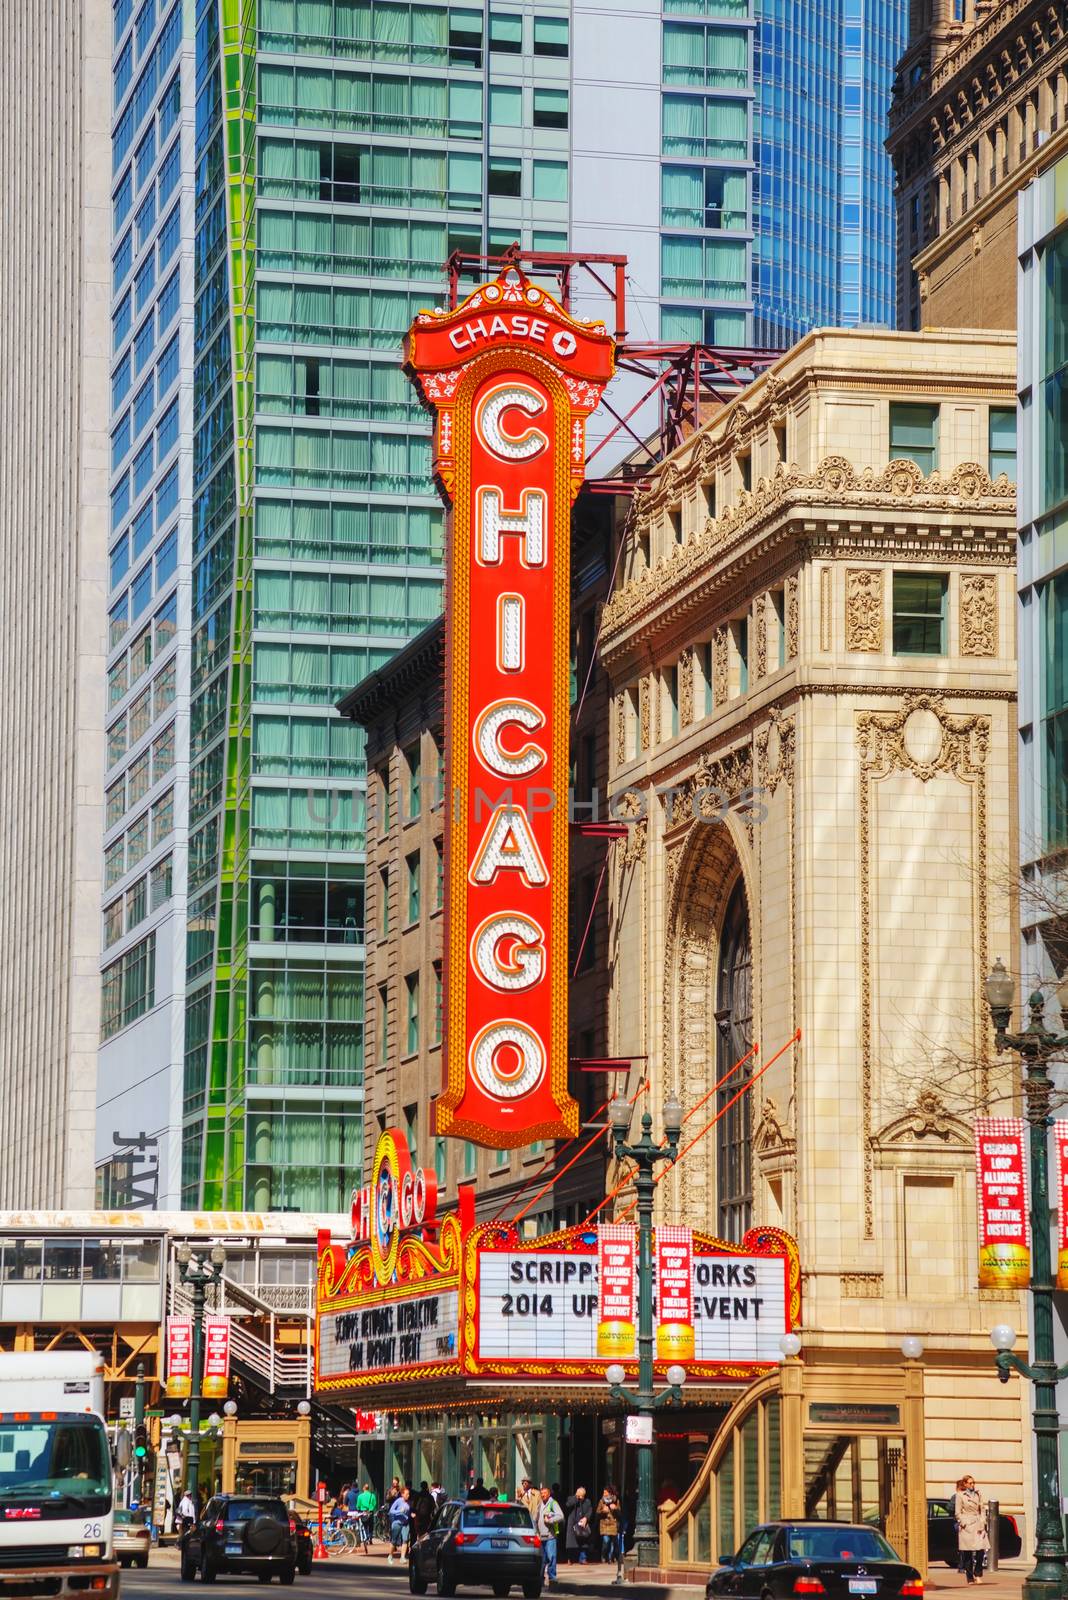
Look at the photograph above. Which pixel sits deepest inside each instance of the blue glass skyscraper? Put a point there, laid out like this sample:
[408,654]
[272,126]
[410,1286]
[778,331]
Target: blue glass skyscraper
[823,217]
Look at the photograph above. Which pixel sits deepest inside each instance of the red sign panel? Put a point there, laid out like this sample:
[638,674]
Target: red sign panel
[674,1293]
[1060,1140]
[216,1357]
[512,378]
[616,1245]
[1004,1224]
[179,1357]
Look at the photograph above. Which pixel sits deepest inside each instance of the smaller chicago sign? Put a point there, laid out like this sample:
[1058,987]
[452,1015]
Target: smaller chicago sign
[511,378]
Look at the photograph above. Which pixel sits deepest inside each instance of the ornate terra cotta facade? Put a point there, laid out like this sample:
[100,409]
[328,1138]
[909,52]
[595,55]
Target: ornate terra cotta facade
[810,649]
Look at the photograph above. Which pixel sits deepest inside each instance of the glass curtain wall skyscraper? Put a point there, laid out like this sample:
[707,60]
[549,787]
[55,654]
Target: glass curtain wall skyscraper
[289,179]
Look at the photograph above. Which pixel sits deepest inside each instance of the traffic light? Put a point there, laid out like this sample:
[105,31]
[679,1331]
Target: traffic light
[140,1441]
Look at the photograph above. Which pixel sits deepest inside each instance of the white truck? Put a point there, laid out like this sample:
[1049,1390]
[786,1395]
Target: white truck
[56,1477]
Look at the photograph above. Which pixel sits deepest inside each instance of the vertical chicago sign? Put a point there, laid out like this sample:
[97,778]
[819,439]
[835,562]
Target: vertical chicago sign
[511,378]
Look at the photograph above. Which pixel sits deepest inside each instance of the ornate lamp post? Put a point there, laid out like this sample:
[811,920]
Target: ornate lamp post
[197,1274]
[645,1401]
[1036,1044]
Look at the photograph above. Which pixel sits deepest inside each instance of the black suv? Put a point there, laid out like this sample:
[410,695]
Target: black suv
[241,1533]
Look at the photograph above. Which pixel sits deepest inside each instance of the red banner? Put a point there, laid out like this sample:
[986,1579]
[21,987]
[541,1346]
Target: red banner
[179,1357]
[512,378]
[616,1274]
[674,1292]
[216,1357]
[1004,1221]
[1060,1140]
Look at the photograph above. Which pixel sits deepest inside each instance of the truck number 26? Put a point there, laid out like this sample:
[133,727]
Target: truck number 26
[92,1530]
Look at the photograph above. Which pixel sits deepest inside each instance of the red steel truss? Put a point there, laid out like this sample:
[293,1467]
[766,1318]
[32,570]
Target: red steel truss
[688,382]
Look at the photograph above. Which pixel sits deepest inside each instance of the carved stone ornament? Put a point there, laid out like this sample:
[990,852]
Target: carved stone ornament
[928,1118]
[978,614]
[864,608]
[760,637]
[644,714]
[687,665]
[632,849]
[621,729]
[862,1285]
[793,618]
[720,668]
[775,752]
[772,1138]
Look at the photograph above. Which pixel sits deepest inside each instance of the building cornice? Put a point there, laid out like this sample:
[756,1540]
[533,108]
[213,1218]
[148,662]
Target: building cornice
[836,509]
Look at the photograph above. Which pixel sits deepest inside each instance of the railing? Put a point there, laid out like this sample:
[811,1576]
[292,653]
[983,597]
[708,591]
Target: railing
[279,1369]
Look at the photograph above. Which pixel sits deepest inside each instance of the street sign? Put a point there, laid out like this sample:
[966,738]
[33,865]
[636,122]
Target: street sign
[126,1406]
[320,1492]
[639,1430]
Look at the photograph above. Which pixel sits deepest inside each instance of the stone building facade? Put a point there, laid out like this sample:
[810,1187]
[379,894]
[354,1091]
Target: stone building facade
[981,96]
[811,653]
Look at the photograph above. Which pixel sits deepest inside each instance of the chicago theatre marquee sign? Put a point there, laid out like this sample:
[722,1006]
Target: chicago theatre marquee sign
[413,1297]
[511,378]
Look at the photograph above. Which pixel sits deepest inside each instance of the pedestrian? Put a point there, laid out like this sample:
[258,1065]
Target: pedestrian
[366,1506]
[973,1540]
[579,1509]
[400,1516]
[530,1497]
[187,1513]
[478,1490]
[608,1516]
[549,1522]
[438,1492]
[423,1510]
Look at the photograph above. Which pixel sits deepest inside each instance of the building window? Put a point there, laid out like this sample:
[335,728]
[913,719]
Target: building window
[920,613]
[734,1020]
[705,58]
[383,903]
[413,887]
[506,33]
[550,108]
[1054,366]
[740,635]
[671,686]
[411,988]
[465,38]
[550,180]
[1055,709]
[128,987]
[470,1160]
[415,781]
[550,36]
[383,1025]
[703,269]
[914,436]
[1002,441]
[707,127]
[439,998]
[411,1132]
[439,874]
[702,197]
[506,106]
[505,177]
[707,673]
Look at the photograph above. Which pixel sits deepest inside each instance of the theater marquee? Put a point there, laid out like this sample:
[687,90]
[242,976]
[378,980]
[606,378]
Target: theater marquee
[475,1303]
[511,378]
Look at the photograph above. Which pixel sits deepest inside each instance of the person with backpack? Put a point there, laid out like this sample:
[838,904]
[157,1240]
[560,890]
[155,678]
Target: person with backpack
[549,1522]
[400,1516]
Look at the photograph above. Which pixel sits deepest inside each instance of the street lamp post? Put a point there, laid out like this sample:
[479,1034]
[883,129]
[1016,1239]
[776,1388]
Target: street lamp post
[645,1401]
[1036,1044]
[198,1275]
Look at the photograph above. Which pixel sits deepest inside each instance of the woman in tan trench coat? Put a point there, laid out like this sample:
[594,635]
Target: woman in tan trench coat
[973,1540]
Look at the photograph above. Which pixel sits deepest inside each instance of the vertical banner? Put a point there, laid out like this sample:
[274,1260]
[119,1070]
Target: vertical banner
[1004,1221]
[616,1277]
[179,1357]
[1060,1140]
[512,378]
[674,1293]
[216,1357]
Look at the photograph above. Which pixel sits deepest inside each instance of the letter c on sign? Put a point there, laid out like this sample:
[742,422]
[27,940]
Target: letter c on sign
[486,736]
[519,447]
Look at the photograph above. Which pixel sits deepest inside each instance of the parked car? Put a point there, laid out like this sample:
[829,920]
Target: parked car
[132,1539]
[305,1544]
[241,1533]
[485,1543]
[942,1534]
[836,1559]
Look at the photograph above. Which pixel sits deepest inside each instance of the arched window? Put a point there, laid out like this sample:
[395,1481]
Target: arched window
[734,1018]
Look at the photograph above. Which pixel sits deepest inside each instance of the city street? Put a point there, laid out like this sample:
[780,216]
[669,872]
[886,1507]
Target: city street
[343,1576]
